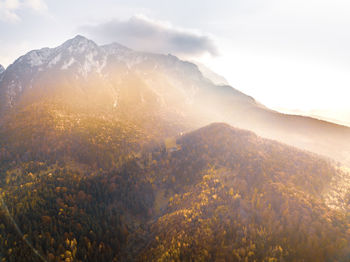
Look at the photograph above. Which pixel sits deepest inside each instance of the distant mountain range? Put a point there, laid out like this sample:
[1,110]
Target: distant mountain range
[329,115]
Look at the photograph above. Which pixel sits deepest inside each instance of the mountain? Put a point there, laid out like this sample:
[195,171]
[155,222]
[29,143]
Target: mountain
[68,91]
[334,116]
[212,76]
[2,69]
[151,90]
[234,196]
[109,154]
[81,62]
[223,194]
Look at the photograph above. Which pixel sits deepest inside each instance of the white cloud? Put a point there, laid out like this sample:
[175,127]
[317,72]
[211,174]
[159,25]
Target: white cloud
[9,16]
[9,8]
[143,33]
[37,5]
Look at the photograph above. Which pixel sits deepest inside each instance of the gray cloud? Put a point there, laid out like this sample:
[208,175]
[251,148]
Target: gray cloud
[142,33]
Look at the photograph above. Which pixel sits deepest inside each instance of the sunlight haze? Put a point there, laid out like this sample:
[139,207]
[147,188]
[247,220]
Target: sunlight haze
[290,55]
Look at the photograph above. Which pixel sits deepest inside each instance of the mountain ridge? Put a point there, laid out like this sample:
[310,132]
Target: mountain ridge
[114,78]
[88,58]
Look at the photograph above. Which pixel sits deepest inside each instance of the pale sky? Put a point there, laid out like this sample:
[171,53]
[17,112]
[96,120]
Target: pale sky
[288,54]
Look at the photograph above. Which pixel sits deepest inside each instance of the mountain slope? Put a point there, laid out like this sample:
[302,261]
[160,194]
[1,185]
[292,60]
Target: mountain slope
[234,196]
[222,194]
[212,76]
[151,90]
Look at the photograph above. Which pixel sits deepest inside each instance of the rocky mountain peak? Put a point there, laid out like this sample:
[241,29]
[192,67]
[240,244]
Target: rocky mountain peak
[78,44]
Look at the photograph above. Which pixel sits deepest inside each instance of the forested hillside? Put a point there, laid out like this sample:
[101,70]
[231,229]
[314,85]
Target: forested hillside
[215,194]
[108,154]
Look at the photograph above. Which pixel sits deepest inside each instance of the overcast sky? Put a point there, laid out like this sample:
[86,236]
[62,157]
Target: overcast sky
[288,54]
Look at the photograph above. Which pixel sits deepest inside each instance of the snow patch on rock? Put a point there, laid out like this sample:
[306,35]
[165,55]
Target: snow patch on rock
[68,64]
